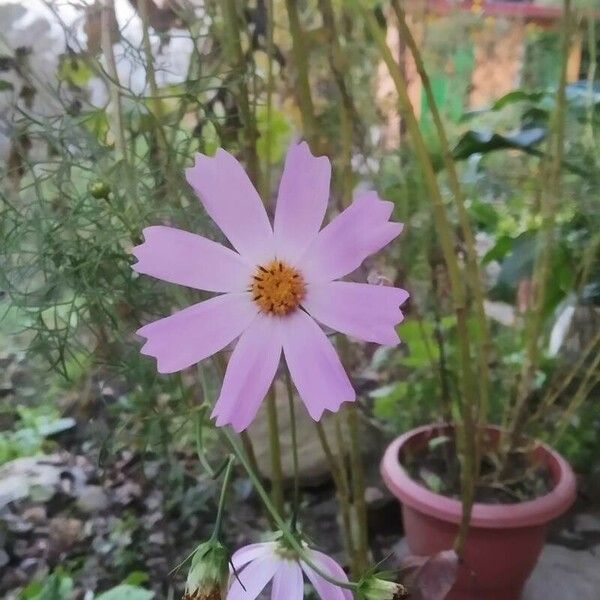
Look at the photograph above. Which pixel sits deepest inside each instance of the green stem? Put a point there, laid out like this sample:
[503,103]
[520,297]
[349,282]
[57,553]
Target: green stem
[250,133]
[199,426]
[358,488]
[463,217]
[590,379]
[349,117]
[224,487]
[155,101]
[338,471]
[551,186]
[269,109]
[468,401]
[303,93]
[591,348]
[290,537]
[296,497]
[275,451]
[107,11]
[591,77]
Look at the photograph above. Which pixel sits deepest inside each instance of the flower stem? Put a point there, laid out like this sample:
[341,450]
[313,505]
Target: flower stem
[296,497]
[290,537]
[224,487]
[338,472]
[358,488]
[275,451]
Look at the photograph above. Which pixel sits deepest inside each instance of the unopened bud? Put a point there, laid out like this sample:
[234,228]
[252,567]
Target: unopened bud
[380,589]
[207,577]
[99,189]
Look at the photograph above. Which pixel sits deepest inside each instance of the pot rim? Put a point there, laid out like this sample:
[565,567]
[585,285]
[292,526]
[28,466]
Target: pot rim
[493,516]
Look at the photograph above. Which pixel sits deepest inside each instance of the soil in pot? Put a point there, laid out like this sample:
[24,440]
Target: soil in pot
[436,466]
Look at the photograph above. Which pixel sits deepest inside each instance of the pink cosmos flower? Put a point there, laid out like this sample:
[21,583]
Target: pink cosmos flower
[257,564]
[275,288]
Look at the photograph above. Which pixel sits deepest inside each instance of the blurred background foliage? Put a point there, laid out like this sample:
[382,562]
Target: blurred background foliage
[103,105]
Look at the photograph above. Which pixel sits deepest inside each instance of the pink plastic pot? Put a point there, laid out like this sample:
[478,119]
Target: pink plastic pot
[504,541]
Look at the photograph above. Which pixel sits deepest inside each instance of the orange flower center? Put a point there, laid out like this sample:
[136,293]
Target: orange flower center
[277,288]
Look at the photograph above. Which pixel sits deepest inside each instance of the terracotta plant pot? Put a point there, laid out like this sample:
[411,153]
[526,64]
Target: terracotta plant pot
[504,541]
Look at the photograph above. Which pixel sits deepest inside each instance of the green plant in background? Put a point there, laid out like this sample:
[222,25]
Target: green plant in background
[506,196]
[59,586]
[31,430]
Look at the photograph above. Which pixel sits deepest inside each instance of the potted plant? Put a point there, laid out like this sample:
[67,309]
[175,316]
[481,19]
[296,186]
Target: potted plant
[485,492]
[504,540]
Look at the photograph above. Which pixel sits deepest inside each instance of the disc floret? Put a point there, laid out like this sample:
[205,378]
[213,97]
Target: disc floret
[277,288]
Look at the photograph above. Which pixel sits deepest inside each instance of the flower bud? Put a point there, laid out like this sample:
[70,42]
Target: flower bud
[207,577]
[380,589]
[99,189]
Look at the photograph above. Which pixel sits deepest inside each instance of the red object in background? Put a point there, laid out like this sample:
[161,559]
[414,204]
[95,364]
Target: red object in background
[504,540]
[500,8]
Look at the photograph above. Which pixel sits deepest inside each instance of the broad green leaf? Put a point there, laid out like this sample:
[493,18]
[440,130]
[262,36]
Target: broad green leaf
[74,70]
[517,96]
[484,214]
[421,343]
[482,142]
[126,592]
[57,586]
[275,134]
[387,399]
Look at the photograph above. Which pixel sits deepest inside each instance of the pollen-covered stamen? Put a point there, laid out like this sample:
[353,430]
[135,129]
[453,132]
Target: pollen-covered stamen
[277,288]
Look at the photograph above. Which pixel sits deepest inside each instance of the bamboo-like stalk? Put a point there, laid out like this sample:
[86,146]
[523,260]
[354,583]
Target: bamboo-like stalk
[472,263]
[337,468]
[591,75]
[349,117]
[335,58]
[550,193]
[468,402]
[346,492]
[269,104]
[592,347]
[155,101]
[303,93]
[116,113]
[249,130]
[591,378]
[358,488]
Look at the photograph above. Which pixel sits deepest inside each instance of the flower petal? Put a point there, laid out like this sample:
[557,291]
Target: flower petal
[243,556]
[340,248]
[234,205]
[367,312]
[326,590]
[314,365]
[302,201]
[251,581]
[184,258]
[249,374]
[197,332]
[288,582]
